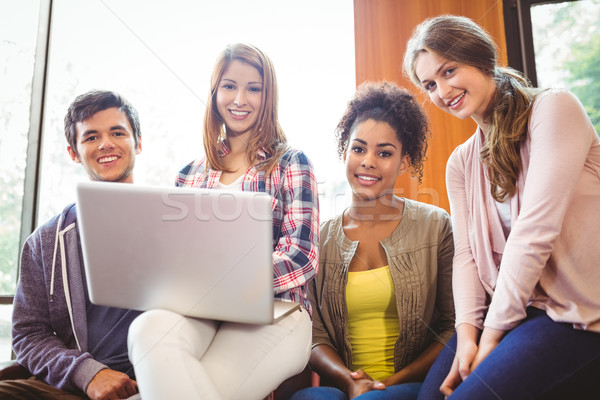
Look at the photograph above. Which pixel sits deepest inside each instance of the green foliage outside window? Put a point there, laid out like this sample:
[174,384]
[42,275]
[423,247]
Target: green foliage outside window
[585,77]
[566,38]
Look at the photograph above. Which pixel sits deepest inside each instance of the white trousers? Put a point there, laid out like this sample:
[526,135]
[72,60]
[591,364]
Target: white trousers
[177,357]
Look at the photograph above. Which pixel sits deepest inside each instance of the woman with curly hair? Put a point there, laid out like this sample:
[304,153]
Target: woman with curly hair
[382,300]
[524,194]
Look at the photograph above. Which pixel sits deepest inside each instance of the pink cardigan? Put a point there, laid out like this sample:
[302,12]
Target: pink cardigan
[551,259]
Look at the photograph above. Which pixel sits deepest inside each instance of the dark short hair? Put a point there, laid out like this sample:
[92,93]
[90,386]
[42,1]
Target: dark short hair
[386,102]
[86,105]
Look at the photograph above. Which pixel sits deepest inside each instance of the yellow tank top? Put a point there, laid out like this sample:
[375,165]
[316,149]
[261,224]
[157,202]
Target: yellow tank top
[372,321]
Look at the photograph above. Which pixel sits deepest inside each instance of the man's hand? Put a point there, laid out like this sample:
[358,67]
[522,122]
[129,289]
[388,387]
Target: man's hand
[363,383]
[109,384]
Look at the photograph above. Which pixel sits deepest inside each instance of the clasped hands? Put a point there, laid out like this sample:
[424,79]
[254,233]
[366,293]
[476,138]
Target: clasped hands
[362,383]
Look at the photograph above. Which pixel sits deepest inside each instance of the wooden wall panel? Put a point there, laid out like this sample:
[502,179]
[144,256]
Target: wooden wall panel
[382,28]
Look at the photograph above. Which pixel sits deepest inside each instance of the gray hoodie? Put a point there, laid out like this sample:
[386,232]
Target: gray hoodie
[49,315]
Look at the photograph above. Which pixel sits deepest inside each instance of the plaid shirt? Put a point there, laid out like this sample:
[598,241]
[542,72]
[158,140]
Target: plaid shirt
[295,206]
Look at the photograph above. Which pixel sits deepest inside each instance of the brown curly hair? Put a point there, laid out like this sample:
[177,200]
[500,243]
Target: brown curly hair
[386,102]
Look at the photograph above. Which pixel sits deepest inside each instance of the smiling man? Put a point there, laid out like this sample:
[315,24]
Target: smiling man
[75,349]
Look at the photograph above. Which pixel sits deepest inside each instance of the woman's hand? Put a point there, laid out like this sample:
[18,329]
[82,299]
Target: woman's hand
[490,338]
[461,367]
[466,350]
[325,361]
[362,383]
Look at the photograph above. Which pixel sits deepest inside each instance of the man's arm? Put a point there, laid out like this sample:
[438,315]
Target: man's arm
[49,352]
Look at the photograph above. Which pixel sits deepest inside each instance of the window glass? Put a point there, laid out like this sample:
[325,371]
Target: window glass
[18,35]
[161,60]
[5,332]
[566,39]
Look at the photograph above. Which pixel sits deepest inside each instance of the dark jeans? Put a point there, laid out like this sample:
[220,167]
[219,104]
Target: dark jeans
[407,391]
[539,359]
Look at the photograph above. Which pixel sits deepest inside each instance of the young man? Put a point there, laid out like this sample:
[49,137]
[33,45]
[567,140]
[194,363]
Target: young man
[75,349]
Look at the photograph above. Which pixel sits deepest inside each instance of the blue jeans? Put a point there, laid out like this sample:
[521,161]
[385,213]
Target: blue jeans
[539,359]
[406,391]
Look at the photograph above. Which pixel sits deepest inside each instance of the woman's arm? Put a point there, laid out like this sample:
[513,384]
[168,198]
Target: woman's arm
[444,299]
[466,349]
[325,359]
[470,297]
[418,368]
[560,138]
[296,254]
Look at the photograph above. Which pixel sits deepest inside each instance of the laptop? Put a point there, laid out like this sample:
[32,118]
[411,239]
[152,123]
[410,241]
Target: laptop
[203,253]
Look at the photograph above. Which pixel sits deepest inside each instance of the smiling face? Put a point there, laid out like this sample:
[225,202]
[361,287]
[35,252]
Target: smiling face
[373,160]
[239,97]
[458,89]
[106,146]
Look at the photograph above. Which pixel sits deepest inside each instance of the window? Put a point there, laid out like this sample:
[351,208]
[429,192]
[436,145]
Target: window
[572,61]
[161,61]
[557,44]
[18,35]
[159,55]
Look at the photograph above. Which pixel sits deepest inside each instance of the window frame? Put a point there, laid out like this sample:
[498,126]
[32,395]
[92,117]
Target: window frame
[519,35]
[34,137]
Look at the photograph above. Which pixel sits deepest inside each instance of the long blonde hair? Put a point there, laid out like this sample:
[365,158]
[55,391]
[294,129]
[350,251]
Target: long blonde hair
[266,132]
[461,40]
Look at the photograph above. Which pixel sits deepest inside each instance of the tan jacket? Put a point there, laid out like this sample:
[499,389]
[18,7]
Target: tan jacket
[419,254]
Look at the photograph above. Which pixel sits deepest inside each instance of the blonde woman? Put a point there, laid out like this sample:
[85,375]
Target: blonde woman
[177,357]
